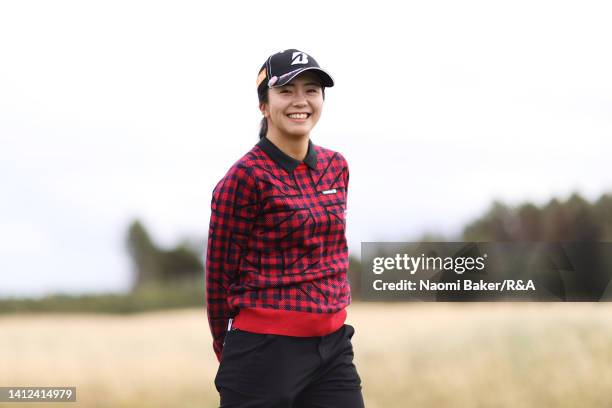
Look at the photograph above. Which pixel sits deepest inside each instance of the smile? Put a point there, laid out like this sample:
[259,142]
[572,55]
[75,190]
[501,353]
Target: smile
[299,115]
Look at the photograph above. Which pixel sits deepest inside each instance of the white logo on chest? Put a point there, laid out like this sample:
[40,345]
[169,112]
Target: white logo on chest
[332,191]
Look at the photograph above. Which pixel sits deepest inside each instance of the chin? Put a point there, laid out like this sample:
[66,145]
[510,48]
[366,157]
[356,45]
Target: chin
[298,133]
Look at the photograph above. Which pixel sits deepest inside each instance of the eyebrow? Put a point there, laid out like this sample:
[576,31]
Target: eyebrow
[306,84]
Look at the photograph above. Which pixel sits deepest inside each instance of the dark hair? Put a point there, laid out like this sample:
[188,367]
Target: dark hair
[262,94]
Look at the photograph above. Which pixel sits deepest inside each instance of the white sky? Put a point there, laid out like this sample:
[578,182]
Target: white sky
[116,109]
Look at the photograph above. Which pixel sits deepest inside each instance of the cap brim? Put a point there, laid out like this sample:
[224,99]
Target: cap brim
[326,79]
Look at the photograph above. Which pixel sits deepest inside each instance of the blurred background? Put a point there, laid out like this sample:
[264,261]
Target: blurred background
[473,120]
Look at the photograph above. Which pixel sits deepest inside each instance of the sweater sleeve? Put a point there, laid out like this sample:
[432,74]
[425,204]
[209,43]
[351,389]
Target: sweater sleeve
[345,174]
[233,211]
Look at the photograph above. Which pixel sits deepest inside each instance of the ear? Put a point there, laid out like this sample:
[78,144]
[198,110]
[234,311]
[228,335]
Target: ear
[263,108]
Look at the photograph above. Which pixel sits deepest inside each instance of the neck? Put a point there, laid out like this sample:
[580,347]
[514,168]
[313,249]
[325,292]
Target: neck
[296,147]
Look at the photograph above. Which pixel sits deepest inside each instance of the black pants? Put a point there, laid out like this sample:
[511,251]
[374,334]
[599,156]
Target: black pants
[274,371]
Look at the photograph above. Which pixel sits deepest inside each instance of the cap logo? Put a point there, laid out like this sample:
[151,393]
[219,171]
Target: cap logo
[299,58]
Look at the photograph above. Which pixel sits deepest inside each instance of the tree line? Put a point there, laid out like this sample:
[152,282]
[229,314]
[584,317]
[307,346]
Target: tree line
[174,277]
[573,220]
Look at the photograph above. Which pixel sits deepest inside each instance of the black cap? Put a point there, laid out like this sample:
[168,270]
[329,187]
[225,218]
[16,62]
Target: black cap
[282,67]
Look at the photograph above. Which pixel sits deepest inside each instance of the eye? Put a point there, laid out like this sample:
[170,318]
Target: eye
[313,91]
[284,91]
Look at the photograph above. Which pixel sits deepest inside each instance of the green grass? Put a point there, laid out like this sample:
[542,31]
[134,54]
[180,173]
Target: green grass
[148,298]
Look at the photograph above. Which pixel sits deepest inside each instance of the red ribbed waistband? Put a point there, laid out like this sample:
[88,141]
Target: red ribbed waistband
[289,323]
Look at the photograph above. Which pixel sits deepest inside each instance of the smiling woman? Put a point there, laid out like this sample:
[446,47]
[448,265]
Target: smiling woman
[277,256]
[292,109]
[278,94]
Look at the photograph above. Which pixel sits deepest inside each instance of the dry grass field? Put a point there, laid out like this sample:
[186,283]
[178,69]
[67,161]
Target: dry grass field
[408,355]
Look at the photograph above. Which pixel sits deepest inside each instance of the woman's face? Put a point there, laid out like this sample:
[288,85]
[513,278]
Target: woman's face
[294,109]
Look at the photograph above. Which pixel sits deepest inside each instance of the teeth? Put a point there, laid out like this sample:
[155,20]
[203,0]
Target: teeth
[298,115]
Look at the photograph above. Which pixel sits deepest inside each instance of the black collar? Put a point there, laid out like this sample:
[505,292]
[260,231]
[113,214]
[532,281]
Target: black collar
[284,160]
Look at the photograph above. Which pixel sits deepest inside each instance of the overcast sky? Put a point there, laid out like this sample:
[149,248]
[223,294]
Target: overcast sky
[120,109]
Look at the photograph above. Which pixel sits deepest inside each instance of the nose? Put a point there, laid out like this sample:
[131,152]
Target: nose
[300,102]
[300,98]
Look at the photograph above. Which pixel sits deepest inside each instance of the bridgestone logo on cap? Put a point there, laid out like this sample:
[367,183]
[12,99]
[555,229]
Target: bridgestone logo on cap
[299,58]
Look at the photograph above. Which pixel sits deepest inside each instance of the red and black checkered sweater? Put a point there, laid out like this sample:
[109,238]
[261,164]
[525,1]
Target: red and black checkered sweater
[277,255]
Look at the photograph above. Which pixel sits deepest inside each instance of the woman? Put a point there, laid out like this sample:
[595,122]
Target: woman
[277,256]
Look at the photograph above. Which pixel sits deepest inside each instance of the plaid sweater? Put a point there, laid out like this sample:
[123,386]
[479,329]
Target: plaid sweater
[277,255]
